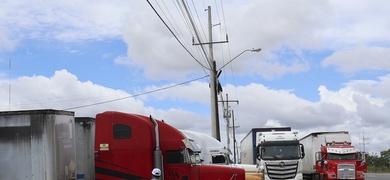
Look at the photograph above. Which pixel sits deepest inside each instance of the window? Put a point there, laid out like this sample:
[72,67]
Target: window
[280,152]
[341,156]
[218,159]
[122,131]
[174,157]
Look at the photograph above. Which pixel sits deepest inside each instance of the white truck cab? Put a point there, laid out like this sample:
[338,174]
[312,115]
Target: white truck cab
[276,151]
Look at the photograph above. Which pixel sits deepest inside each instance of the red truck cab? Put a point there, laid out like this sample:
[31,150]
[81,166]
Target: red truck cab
[129,146]
[340,162]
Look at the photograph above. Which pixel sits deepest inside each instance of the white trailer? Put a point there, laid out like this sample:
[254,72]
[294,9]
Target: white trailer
[276,151]
[85,140]
[37,145]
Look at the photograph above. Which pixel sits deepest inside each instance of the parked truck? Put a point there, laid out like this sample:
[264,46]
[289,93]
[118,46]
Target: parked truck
[53,144]
[330,155]
[214,152]
[276,151]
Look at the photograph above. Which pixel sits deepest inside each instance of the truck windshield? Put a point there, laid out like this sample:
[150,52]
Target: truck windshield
[333,156]
[186,156]
[219,159]
[280,152]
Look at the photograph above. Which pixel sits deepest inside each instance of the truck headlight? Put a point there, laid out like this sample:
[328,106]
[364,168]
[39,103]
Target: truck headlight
[360,176]
[261,168]
[332,176]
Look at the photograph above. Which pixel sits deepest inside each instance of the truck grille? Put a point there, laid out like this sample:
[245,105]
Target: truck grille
[346,171]
[282,170]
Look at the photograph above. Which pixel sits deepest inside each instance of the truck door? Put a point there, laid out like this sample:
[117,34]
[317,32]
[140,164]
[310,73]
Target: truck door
[103,142]
[134,144]
[127,145]
[178,166]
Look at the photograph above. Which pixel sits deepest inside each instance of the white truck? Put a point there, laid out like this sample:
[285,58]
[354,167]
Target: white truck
[214,152]
[330,155]
[276,151]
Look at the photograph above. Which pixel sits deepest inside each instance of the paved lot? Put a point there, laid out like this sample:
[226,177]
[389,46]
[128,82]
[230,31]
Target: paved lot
[377,176]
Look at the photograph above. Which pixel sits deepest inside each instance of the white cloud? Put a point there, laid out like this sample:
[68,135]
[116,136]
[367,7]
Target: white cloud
[371,113]
[192,92]
[271,25]
[360,58]
[348,109]
[121,60]
[272,123]
[343,97]
[259,104]
[62,91]
[65,20]
[377,88]
[275,69]
[356,22]
[152,47]
[6,43]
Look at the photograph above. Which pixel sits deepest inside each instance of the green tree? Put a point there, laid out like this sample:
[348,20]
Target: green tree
[372,162]
[379,164]
[385,158]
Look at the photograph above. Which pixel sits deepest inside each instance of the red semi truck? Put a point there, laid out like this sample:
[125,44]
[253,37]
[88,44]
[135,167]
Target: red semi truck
[330,155]
[129,146]
[53,144]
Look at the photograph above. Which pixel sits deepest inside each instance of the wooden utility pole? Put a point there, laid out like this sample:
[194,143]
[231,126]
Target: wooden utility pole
[227,114]
[215,131]
[213,84]
[234,139]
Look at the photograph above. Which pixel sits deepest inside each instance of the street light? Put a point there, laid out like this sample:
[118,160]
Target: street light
[251,50]
[215,132]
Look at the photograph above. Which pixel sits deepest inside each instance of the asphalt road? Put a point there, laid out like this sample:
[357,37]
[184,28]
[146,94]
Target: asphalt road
[377,176]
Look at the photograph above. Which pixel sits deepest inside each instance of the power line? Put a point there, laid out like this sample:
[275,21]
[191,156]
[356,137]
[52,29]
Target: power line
[174,35]
[190,17]
[181,11]
[136,95]
[197,31]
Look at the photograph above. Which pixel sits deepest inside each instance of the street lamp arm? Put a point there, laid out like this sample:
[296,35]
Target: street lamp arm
[252,50]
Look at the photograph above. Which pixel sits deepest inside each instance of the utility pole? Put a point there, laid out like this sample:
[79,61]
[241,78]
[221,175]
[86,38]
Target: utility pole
[227,115]
[364,143]
[215,132]
[364,146]
[213,84]
[234,139]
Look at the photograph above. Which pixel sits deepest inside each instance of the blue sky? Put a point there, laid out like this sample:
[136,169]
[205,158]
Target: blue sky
[324,65]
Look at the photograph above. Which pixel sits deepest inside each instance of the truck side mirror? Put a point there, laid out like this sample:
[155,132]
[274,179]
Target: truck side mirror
[318,156]
[258,152]
[361,156]
[302,150]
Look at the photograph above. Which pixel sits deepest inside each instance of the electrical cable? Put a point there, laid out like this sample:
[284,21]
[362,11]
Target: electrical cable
[204,33]
[170,30]
[191,27]
[136,95]
[195,30]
